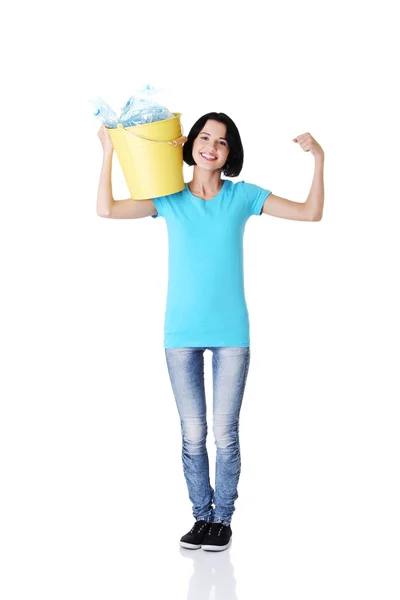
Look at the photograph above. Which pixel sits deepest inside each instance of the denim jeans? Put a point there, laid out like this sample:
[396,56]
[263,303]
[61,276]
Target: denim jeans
[186,370]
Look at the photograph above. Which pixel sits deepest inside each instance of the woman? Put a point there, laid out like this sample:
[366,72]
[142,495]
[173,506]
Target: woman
[206,306]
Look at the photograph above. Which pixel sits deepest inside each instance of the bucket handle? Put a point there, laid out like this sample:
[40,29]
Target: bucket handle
[178,142]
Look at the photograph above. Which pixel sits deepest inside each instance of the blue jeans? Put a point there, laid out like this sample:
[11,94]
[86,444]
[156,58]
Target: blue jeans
[186,370]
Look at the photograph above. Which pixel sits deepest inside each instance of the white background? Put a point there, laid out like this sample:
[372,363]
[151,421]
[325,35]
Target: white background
[93,497]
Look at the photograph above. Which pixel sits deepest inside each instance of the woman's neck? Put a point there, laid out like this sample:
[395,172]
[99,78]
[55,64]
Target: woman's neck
[206,183]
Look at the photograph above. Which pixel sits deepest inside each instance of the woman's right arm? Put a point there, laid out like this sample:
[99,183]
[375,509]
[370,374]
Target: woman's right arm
[104,194]
[106,205]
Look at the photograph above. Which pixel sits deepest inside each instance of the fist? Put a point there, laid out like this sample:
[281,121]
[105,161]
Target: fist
[309,144]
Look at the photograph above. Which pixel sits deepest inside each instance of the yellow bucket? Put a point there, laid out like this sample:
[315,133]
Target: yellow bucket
[151,157]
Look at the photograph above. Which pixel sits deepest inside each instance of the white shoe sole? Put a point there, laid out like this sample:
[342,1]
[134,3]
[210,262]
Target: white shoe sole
[190,546]
[216,548]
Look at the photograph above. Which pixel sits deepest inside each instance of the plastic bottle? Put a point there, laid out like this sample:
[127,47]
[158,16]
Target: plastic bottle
[104,113]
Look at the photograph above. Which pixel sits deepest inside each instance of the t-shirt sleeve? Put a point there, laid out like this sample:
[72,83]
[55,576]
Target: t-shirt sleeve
[160,206]
[166,205]
[254,197]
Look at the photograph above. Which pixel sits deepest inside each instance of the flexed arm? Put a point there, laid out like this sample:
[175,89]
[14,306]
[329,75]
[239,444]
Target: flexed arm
[312,208]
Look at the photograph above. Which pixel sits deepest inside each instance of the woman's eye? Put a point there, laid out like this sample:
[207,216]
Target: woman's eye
[205,137]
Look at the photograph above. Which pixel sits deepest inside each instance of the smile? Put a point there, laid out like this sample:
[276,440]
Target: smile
[209,157]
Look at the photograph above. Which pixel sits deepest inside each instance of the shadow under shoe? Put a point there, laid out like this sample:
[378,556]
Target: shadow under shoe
[194,538]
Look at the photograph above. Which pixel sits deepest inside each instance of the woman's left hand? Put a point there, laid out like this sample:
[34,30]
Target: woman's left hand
[308,144]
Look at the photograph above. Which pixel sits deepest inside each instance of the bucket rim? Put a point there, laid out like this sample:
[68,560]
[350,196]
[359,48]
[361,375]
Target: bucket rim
[177,115]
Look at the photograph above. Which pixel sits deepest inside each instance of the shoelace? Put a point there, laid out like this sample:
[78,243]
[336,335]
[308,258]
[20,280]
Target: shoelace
[196,525]
[216,528]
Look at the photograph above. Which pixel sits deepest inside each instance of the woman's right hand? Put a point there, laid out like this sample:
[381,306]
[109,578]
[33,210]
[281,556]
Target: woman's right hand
[105,139]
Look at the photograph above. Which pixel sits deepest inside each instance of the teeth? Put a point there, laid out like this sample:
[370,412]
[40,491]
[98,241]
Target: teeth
[208,156]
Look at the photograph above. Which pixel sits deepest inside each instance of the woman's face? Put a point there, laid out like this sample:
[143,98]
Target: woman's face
[210,148]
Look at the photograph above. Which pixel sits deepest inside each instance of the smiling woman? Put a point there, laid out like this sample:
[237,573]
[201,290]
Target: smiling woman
[206,308]
[215,134]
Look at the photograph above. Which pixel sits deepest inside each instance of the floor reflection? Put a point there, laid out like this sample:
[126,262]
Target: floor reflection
[213,575]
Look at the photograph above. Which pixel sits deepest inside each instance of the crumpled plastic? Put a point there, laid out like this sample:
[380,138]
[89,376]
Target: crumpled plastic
[139,109]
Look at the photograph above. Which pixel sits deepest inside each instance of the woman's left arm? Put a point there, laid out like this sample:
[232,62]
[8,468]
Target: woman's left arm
[315,198]
[312,208]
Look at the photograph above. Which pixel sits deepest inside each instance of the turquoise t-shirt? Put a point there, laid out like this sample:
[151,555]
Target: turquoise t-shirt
[206,303]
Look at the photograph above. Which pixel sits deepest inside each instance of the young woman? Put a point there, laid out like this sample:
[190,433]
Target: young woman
[206,305]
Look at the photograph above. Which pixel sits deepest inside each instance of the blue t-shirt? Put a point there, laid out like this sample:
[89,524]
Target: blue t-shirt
[206,303]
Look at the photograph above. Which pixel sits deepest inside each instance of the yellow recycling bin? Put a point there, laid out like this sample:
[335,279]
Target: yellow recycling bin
[151,157]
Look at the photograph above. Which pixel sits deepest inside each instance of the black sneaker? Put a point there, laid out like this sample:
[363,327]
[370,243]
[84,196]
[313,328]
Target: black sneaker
[194,538]
[218,538]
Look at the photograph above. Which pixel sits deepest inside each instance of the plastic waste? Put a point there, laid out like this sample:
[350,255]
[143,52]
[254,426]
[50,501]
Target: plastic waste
[104,113]
[139,109]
